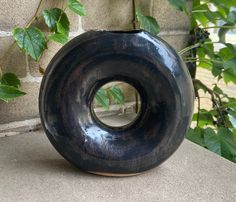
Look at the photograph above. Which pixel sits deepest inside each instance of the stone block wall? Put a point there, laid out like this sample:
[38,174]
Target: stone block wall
[101,15]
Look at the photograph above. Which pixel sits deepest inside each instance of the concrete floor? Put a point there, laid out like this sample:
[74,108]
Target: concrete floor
[31,170]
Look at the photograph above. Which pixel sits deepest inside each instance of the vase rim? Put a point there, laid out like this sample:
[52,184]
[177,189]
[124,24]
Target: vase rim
[134,31]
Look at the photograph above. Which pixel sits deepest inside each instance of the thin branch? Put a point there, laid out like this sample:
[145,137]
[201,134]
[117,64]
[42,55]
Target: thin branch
[134,22]
[214,101]
[209,90]
[191,59]
[36,14]
[219,27]
[26,60]
[189,48]
[197,45]
[198,106]
[1,73]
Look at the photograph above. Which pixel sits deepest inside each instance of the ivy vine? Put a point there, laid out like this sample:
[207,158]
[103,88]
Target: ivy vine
[33,41]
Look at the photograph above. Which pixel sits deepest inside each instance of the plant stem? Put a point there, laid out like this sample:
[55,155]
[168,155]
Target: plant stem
[213,99]
[198,105]
[134,15]
[36,13]
[189,59]
[226,27]
[189,48]
[197,45]
[1,73]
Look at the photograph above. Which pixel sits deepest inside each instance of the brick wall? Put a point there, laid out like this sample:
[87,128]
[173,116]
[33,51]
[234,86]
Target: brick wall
[101,14]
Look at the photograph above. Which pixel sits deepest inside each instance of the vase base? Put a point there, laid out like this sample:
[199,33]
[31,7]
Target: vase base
[115,174]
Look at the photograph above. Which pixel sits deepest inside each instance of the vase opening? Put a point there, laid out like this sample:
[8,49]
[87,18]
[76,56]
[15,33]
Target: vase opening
[116,104]
[136,31]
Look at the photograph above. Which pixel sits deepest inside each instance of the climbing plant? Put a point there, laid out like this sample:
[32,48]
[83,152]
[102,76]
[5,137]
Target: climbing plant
[33,41]
[215,128]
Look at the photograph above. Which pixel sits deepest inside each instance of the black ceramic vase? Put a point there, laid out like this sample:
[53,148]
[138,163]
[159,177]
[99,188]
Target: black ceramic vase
[85,64]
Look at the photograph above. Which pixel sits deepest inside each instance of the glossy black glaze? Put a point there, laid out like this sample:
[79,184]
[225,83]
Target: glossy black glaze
[89,61]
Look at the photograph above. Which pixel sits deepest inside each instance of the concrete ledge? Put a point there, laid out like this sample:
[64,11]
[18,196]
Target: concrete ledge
[31,170]
[19,127]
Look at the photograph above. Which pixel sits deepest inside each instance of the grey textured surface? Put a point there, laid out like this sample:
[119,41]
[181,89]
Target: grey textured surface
[31,170]
[14,61]
[25,107]
[107,15]
[118,14]
[168,17]
[16,13]
[177,41]
[20,12]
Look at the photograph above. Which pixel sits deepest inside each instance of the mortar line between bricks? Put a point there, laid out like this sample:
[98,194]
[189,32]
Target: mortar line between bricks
[31,79]
[74,34]
[5,34]
[174,33]
[81,30]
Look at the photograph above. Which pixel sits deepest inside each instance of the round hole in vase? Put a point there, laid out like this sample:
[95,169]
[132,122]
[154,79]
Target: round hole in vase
[90,61]
[116,105]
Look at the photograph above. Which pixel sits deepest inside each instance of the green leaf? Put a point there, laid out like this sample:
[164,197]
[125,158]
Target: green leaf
[217,89]
[229,64]
[32,40]
[232,118]
[63,24]
[51,17]
[57,20]
[224,3]
[205,118]
[212,141]
[102,98]
[8,93]
[228,144]
[117,95]
[10,79]
[229,76]
[232,17]
[230,70]
[199,17]
[196,135]
[223,31]
[180,5]
[147,23]
[77,7]
[213,16]
[227,53]
[60,38]
[216,70]
[209,48]
[234,134]
[229,150]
